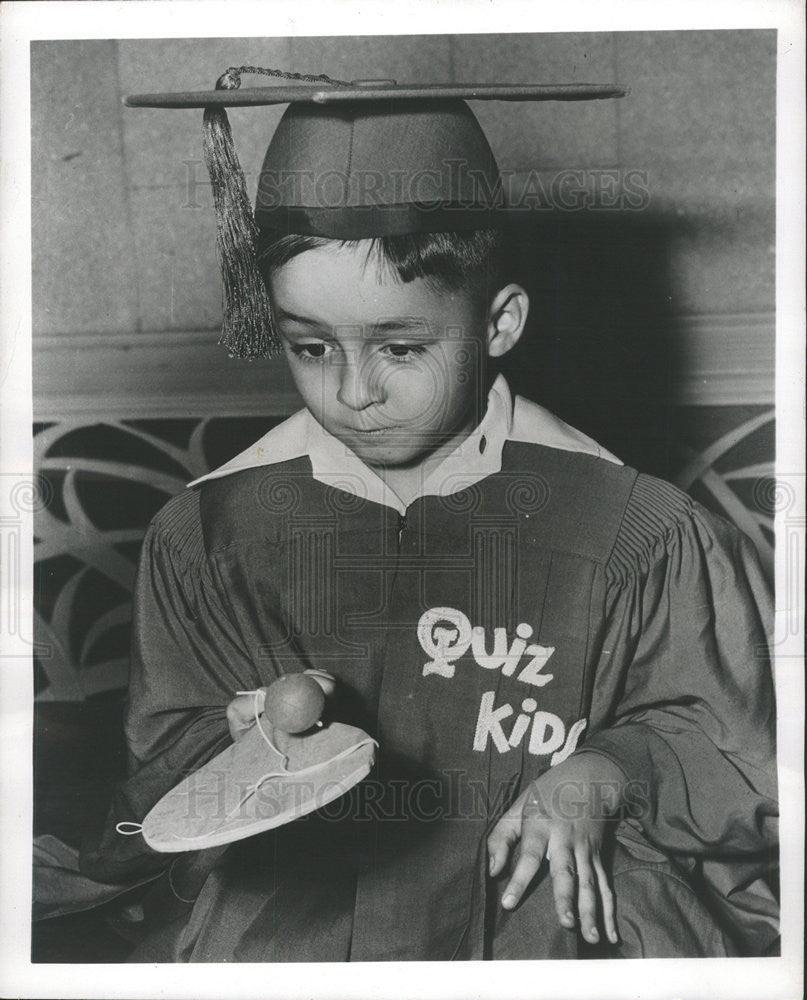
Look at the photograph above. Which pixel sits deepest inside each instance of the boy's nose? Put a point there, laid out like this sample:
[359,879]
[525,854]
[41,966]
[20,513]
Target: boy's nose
[358,388]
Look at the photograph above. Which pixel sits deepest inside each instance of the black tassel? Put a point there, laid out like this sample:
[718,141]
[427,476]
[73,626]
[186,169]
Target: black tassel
[247,330]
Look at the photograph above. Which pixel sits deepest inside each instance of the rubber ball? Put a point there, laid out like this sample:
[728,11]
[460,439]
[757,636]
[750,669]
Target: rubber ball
[294,703]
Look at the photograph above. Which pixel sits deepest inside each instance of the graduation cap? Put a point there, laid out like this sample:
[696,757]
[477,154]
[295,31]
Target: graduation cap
[349,160]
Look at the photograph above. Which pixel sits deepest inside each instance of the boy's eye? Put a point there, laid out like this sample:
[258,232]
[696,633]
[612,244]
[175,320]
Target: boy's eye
[403,352]
[314,351]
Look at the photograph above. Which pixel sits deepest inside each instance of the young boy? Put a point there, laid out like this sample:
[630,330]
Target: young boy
[562,660]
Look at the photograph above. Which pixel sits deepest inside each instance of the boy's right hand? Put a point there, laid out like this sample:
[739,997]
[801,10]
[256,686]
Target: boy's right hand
[241,713]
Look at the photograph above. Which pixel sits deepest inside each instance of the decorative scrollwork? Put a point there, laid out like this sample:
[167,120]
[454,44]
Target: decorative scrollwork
[726,476]
[97,487]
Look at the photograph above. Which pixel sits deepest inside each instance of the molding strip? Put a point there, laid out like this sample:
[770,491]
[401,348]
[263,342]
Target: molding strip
[729,361]
[170,374]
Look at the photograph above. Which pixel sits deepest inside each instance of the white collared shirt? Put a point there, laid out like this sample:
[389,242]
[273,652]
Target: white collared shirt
[476,457]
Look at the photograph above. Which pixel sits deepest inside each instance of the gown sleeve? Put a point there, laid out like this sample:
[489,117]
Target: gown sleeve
[684,698]
[187,661]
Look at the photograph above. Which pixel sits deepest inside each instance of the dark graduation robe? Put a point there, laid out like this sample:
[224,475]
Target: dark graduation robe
[546,600]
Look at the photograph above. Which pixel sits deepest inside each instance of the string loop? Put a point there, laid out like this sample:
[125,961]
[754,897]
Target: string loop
[134,828]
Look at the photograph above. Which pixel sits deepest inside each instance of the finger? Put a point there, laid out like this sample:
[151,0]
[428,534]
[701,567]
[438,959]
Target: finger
[530,858]
[563,872]
[606,899]
[325,680]
[506,833]
[586,894]
[240,715]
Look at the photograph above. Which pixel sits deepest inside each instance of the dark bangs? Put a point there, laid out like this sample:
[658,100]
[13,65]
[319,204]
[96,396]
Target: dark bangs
[473,259]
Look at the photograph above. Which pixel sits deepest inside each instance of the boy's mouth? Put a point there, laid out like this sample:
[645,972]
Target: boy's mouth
[369,432]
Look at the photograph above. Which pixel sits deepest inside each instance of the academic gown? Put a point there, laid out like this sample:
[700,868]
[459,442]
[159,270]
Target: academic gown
[535,598]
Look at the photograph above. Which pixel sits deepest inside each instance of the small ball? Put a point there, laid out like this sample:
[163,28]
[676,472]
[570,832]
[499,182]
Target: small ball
[294,703]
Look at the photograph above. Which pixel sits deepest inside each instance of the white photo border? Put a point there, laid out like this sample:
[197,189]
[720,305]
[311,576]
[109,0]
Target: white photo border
[22,22]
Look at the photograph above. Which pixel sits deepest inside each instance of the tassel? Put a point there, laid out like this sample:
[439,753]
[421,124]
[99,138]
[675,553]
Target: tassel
[247,331]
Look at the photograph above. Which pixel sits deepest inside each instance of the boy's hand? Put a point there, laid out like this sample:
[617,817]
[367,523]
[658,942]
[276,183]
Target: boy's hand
[241,713]
[563,817]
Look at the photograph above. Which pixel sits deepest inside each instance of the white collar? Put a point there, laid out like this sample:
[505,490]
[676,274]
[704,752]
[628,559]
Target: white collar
[478,456]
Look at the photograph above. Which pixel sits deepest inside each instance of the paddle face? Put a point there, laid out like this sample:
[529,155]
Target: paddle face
[226,800]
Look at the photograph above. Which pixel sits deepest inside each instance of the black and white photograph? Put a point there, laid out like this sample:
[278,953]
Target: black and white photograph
[403,516]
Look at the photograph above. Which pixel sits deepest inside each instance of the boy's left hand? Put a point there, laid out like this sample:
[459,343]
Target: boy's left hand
[563,817]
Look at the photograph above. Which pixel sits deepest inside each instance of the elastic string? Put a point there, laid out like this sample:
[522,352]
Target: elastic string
[136,828]
[265,735]
[233,75]
[256,693]
[285,773]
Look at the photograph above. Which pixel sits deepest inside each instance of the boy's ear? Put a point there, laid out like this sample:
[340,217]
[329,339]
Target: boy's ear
[506,318]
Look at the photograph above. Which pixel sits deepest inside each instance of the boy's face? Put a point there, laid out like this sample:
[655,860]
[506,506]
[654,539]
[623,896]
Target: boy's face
[392,369]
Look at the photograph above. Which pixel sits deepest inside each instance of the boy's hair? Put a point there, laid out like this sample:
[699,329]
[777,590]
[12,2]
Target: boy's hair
[476,260]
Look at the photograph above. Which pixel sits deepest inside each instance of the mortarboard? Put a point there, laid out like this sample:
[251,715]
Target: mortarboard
[349,160]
